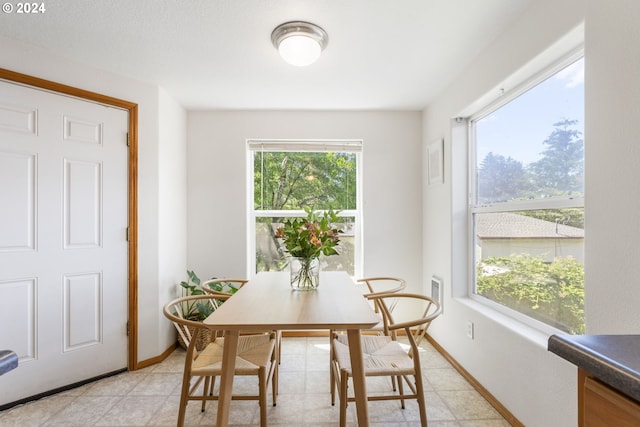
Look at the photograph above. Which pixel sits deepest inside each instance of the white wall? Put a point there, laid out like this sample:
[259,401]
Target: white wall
[217,218]
[172,208]
[509,360]
[612,153]
[152,105]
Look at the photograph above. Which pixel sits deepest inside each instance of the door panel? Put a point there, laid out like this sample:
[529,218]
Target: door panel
[17,224]
[63,247]
[82,204]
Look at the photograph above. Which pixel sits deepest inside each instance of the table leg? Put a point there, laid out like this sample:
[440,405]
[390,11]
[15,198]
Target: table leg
[359,382]
[229,353]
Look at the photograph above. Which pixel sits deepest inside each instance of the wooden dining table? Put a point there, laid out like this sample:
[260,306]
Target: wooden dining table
[267,302]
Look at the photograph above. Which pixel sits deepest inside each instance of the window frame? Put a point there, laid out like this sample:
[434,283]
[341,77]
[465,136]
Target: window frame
[301,145]
[558,202]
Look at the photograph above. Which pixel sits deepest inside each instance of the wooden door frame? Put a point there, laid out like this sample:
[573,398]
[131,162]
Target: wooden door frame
[132,108]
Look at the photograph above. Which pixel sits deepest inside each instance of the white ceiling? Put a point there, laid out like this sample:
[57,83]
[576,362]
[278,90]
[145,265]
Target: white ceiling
[217,54]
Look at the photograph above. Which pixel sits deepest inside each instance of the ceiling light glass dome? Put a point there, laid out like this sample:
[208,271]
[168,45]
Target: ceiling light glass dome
[299,43]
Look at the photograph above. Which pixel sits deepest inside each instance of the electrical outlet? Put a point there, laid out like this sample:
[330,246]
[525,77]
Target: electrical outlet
[469,329]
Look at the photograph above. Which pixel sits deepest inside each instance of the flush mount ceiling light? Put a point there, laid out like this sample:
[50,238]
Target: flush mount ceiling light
[299,43]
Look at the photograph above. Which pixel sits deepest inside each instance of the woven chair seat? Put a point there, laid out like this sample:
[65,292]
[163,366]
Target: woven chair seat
[254,351]
[381,356]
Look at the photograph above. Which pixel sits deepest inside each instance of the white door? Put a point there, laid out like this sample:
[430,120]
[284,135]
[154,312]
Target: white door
[63,245]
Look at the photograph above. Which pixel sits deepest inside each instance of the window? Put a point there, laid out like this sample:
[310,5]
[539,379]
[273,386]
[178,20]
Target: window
[289,176]
[527,201]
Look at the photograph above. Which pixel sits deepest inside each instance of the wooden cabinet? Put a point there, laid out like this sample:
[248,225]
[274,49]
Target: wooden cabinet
[608,377]
[601,406]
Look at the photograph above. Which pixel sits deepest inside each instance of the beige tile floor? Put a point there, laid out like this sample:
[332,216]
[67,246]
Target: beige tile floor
[149,397]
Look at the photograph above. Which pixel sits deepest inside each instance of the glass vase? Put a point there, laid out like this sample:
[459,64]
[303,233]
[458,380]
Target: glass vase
[305,273]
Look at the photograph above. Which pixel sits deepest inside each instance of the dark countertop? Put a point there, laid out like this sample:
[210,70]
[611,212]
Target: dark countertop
[613,359]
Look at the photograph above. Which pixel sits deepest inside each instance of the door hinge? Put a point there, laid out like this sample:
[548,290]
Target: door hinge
[127,234]
[128,142]
[127,328]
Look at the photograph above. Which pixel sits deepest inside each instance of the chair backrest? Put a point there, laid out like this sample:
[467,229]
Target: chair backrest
[378,285]
[188,329]
[416,328]
[383,285]
[222,286]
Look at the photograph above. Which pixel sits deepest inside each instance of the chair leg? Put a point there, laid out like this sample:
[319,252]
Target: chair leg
[332,374]
[334,378]
[333,386]
[422,406]
[279,344]
[274,381]
[400,380]
[262,397]
[393,379]
[184,394]
[344,379]
[205,391]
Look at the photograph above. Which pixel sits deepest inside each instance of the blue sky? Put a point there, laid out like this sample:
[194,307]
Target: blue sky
[518,128]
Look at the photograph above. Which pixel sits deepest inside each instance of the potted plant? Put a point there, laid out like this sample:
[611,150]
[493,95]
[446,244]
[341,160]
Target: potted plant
[195,310]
